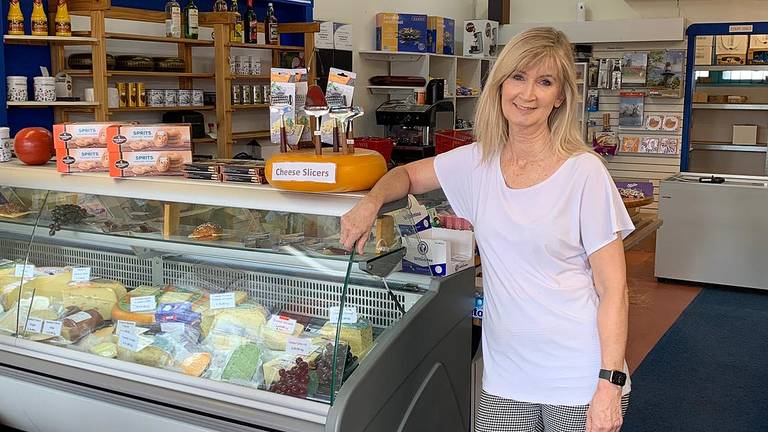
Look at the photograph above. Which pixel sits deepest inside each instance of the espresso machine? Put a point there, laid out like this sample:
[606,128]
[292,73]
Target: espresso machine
[413,127]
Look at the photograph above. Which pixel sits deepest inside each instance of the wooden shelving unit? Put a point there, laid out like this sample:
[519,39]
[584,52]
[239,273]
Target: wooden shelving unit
[53,40]
[98,11]
[34,104]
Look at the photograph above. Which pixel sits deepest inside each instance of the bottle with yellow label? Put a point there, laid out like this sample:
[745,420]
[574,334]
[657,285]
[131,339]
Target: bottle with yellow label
[15,19]
[237,33]
[39,19]
[63,21]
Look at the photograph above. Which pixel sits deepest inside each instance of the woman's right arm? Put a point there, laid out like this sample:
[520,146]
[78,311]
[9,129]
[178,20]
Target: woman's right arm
[415,178]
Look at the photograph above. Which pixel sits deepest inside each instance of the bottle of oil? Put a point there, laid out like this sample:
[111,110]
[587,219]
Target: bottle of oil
[172,19]
[39,19]
[270,26]
[251,24]
[15,19]
[191,23]
[236,35]
[63,21]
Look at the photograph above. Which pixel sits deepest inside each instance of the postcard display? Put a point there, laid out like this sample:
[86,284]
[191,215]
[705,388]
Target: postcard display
[636,79]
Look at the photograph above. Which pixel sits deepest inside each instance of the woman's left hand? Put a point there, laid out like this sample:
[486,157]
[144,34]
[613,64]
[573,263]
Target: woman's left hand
[604,413]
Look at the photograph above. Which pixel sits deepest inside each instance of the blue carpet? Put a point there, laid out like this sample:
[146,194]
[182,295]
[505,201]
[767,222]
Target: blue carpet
[709,372]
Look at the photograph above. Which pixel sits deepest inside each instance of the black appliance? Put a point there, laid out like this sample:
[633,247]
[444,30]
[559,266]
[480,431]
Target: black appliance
[435,91]
[413,127]
[196,119]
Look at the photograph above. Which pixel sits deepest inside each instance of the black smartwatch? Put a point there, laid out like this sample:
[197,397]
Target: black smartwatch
[618,378]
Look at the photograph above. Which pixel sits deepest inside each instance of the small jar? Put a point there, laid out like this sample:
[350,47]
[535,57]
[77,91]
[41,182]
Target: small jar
[171,97]
[185,97]
[265,94]
[45,88]
[17,88]
[6,144]
[258,97]
[198,97]
[237,94]
[255,67]
[156,97]
[243,64]
[247,94]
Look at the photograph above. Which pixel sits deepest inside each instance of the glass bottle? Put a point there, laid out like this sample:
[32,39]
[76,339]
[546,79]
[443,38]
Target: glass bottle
[39,19]
[236,35]
[191,25]
[172,19]
[63,21]
[270,26]
[251,24]
[220,6]
[15,19]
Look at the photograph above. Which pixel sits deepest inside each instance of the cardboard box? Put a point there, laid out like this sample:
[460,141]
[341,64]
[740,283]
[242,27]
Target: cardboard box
[704,50]
[731,49]
[401,32]
[73,160]
[334,35]
[149,137]
[441,35]
[81,135]
[439,252]
[758,49]
[148,163]
[744,134]
[700,97]
[480,38]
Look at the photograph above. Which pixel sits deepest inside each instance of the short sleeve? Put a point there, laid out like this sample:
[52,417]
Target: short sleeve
[602,213]
[454,171]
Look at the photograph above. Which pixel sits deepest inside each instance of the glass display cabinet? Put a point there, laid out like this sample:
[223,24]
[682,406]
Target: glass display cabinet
[173,304]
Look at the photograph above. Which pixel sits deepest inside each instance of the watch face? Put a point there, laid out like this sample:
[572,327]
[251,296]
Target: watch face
[619,378]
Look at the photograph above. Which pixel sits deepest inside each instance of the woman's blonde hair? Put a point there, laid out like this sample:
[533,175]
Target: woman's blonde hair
[530,47]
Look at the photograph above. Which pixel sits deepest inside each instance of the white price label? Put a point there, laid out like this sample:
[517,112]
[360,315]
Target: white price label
[282,324]
[223,300]
[299,346]
[129,341]
[81,274]
[348,317]
[27,270]
[304,172]
[740,28]
[172,327]
[34,325]
[52,328]
[79,317]
[143,304]
[125,327]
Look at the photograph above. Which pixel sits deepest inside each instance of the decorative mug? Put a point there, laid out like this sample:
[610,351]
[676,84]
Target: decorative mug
[17,88]
[185,97]
[198,97]
[45,89]
[156,97]
[171,97]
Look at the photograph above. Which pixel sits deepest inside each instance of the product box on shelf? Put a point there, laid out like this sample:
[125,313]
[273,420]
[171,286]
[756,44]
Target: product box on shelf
[731,49]
[81,135]
[441,33]
[73,160]
[334,35]
[744,134]
[439,252]
[148,137]
[480,38]
[148,163]
[704,46]
[758,49]
[401,32]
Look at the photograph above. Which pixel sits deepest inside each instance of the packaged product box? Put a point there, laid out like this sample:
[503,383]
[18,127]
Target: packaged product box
[81,135]
[142,138]
[480,38]
[758,49]
[731,49]
[704,50]
[334,35]
[439,252]
[441,35]
[401,32]
[148,163]
[74,160]
[744,134]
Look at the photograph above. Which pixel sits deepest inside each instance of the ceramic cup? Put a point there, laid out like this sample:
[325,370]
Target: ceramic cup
[88,95]
[156,97]
[198,97]
[255,67]
[113,97]
[247,94]
[63,85]
[171,97]
[185,97]
[6,144]
[45,88]
[17,88]
[243,65]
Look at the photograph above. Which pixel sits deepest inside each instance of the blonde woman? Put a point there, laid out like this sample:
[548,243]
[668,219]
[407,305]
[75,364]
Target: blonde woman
[549,225]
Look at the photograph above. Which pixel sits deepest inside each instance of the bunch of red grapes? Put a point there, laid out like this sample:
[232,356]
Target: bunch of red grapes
[294,381]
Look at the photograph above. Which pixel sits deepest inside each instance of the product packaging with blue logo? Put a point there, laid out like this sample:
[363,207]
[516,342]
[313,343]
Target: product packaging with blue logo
[401,32]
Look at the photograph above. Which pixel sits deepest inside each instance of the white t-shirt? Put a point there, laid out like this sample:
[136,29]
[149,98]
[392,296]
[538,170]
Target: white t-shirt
[540,335]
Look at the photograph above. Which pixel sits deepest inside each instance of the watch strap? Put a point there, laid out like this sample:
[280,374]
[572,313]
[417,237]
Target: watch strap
[613,376]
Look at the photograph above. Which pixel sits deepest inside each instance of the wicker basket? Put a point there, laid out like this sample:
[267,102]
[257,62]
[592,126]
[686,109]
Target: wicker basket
[169,64]
[134,63]
[83,61]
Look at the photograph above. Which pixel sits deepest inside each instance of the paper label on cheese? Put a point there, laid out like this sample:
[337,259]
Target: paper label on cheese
[52,328]
[125,327]
[299,346]
[34,325]
[222,300]
[172,327]
[304,172]
[143,304]
[282,324]
[81,274]
[129,341]
[79,317]
[24,270]
[349,316]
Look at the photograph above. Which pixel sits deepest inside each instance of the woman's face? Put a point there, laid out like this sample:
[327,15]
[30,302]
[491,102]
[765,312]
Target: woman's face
[528,97]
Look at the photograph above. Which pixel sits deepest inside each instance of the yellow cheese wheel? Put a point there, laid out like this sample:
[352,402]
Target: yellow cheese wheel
[354,172]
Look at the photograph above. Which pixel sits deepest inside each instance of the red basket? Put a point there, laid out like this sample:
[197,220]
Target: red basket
[448,140]
[381,145]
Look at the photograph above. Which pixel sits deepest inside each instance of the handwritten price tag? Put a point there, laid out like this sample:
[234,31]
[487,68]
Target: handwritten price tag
[125,327]
[81,274]
[348,317]
[34,325]
[299,346]
[282,324]
[129,341]
[52,328]
[223,300]
[143,304]
[24,270]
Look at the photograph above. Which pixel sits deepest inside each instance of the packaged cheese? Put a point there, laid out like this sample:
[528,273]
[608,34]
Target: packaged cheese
[242,365]
[80,324]
[276,340]
[359,335]
[243,319]
[196,363]
[128,310]
[100,294]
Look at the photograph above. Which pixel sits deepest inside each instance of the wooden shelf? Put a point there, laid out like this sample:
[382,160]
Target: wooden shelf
[33,104]
[161,39]
[238,107]
[205,140]
[251,77]
[78,72]
[250,135]
[734,106]
[44,40]
[152,74]
[266,47]
[155,109]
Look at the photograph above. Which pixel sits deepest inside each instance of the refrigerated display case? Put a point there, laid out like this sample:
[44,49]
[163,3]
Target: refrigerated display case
[168,304]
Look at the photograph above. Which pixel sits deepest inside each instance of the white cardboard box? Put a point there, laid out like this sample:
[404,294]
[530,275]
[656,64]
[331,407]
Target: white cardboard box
[744,134]
[439,252]
[480,38]
[334,35]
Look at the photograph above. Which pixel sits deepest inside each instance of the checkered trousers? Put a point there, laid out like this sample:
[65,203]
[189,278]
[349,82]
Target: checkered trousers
[496,414]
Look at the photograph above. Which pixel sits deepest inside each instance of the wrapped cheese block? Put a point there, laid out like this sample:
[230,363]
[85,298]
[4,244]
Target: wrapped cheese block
[123,310]
[99,294]
[248,317]
[39,284]
[275,339]
[272,367]
[104,349]
[80,324]
[359,335]
[196,363]
[243,364]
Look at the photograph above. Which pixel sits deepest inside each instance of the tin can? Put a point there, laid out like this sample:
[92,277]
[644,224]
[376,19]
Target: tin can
[142,99]
[133,95]
[122,92]
[6,144]
[156,97]
[198,97]
[237,94]
[185,97]
[232,64]
[243,65]
[247,94]
[265,94]
[255,67]
[258,97]
[171,97]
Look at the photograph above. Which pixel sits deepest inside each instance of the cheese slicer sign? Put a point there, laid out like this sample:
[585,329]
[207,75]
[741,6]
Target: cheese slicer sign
[313,172]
